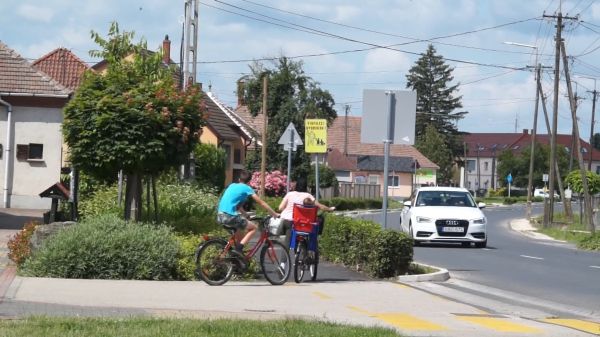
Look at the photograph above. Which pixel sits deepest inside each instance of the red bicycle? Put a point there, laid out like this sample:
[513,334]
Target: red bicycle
[216,262]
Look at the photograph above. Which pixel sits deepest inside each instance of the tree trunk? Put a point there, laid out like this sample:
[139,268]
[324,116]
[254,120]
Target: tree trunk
[133,197]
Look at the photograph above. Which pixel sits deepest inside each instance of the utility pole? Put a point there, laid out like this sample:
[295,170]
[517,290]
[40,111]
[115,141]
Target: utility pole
[594,95]
[533,134]
[573,103]
[263,159]
[347,109]
[549,217]
[189,66]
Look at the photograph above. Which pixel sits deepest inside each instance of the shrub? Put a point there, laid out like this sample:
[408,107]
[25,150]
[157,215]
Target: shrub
[364,245]
[210,165]
[591,242]
[19,248]
[510,201]
[187,208]
[326,177]
[500,192]
[107,247]
[103,201]
[275,183]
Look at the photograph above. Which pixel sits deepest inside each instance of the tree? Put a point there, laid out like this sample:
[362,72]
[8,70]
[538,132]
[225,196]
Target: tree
[292,97]
[437,101]
[210,165]
[132,117]
[518,165]
[433,145]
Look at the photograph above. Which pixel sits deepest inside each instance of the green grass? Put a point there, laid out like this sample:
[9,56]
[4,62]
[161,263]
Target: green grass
[150,327]
[561,229]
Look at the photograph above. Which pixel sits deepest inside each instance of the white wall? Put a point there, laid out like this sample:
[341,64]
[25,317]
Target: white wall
[29,178]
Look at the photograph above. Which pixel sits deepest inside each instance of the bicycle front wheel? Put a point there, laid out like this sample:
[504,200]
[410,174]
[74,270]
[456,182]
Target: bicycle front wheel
[213,265]
[300,262]
[275,262]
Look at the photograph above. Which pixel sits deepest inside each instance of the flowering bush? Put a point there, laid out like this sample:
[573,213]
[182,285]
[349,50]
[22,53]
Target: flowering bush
[18,245]
[275,183]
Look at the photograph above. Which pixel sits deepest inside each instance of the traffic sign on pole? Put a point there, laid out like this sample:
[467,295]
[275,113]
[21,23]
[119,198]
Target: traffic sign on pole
[315,135]
[290,138]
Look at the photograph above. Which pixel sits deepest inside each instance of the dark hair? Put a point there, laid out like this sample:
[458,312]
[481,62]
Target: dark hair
[245,177]
[301,185]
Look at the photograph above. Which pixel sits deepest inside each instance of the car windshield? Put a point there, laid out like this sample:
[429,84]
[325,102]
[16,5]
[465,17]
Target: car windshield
[445,198]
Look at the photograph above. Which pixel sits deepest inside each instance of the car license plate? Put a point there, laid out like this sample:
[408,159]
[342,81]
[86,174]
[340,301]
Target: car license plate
[453,229]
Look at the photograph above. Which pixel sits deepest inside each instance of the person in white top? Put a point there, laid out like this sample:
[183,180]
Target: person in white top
[296,196]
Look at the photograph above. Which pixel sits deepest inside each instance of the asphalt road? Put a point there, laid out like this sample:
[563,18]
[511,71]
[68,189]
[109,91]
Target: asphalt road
[512,262]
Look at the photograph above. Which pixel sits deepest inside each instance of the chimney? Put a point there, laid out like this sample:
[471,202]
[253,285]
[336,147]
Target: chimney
[166,50]
[240,92]
[525,131]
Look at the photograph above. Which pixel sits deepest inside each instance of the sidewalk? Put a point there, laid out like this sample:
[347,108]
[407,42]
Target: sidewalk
[524,227]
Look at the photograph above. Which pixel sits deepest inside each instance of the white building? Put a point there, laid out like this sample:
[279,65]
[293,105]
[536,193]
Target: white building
[31,115]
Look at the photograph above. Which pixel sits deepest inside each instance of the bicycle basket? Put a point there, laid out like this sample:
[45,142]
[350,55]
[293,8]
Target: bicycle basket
[275,226]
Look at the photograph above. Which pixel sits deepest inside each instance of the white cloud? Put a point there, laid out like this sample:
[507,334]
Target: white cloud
[383,59]
[35,13]
[346,13]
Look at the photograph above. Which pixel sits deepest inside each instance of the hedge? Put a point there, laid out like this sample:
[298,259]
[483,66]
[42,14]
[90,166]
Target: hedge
[592,242]
[107,248]
[365,246]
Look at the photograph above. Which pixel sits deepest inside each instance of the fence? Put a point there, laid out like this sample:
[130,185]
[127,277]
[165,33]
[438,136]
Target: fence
[351,190]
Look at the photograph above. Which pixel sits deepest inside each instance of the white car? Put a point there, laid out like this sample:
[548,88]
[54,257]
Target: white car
[445,214]
[539,192]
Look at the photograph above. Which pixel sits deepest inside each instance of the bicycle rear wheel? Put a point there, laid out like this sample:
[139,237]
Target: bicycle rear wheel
[275,262]
[300,262]
[314,266]
[213,266]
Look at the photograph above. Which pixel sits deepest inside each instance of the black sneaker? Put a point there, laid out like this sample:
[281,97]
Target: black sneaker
[239,258]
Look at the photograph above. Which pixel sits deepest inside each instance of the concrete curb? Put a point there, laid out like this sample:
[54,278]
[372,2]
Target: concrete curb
[531,232]
[440,275]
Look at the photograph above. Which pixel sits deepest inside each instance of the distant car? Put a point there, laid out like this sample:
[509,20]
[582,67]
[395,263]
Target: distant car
[539,192]
[444,214]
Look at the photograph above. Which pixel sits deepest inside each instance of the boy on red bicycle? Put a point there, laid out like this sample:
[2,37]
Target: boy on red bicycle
[231,211]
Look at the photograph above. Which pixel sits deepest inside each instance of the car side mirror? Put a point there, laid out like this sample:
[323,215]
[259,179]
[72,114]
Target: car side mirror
[481,205]
[407,203]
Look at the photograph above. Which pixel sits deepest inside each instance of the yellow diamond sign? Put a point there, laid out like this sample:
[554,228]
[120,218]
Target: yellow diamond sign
[315,135]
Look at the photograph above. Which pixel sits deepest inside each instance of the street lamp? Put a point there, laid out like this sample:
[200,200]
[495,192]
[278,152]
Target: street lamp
[533,132]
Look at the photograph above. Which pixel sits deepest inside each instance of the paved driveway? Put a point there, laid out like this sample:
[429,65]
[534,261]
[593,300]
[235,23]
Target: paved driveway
[11,221]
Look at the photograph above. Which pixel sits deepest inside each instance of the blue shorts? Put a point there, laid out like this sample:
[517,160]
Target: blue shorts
[235,221]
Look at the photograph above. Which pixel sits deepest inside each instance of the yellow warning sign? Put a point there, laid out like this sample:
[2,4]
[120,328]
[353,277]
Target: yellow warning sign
[315,135]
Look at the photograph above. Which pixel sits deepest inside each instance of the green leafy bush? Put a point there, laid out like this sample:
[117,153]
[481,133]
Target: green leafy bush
[210,165]
[364,245]
[107,247]
[102,202]
[591,242]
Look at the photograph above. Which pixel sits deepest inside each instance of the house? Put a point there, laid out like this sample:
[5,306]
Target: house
[227,130]
[31,104]
[482,150]
[67,69]
[357,162]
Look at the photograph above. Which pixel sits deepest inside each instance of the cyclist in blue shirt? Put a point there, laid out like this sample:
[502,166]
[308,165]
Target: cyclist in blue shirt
[231,211]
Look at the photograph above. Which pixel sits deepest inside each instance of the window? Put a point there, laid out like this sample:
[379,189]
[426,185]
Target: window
[373,179]
[1,151]
[30,152]
[470,165]
[486,166]
[393,181]
[360,179]
[598,169]
[237,156]
[584,150]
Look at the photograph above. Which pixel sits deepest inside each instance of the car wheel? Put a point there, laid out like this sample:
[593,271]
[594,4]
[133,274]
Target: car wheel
[481,244]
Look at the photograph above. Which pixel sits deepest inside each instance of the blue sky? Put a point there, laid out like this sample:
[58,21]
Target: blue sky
[496,98]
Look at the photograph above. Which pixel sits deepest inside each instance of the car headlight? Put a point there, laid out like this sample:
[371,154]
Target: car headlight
[479,221]
[422,219]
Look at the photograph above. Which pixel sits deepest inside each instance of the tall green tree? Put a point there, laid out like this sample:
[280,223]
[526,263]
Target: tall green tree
[518,165]
[292,97]
[132,117]
[438,102]
[434,144]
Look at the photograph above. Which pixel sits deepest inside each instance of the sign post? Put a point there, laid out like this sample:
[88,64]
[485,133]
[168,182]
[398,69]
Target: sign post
[400,111]
[315,137]
[290,139]
[509,180]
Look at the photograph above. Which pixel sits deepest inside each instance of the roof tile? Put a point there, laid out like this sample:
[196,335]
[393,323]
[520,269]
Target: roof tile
[64,66]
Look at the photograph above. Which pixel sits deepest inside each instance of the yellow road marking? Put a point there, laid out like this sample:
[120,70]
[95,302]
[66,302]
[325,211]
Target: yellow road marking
[499,324]
[401,320]
[400,285]
[322,295]
[406,321]
[587,326]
